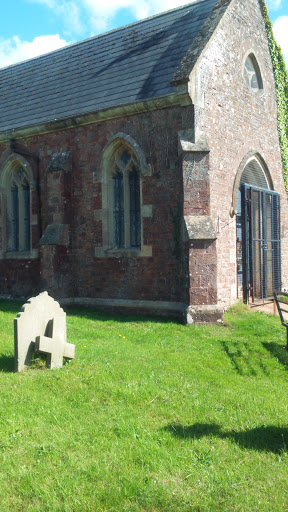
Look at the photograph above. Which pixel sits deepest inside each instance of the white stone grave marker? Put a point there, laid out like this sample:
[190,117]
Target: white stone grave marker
[55,343]
[41,317]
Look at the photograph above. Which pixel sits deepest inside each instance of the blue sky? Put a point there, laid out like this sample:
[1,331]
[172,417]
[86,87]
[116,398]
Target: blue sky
[33,27]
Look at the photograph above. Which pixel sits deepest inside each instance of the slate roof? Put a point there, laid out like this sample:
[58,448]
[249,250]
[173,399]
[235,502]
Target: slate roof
[130,64]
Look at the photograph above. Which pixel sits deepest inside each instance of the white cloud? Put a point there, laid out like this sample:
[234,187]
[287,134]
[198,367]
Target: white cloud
[274,4]
[103,12]
[14,50]
[280,29]
[139,9]
[96,15]
[68,11]
[48,3]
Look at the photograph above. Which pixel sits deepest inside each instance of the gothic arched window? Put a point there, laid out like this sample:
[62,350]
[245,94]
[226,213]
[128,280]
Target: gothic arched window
[125,193]
[18,212]
[252,74]
[120,224]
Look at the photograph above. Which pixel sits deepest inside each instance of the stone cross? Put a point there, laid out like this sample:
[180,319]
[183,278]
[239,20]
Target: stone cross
[55,343]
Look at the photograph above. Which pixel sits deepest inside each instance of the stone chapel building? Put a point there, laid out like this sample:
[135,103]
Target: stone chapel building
[140,170]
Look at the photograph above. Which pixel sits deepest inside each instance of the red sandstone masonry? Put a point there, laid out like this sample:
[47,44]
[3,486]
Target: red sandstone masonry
[235,122]
[73,197]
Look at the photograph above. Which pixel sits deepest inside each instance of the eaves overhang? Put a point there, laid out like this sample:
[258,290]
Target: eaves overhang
[180,98]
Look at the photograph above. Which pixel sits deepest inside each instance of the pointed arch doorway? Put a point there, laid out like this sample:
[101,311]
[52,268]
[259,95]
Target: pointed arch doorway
[258,240]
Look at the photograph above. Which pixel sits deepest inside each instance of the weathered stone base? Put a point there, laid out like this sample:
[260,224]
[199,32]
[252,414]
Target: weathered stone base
[174,310]
[204,314]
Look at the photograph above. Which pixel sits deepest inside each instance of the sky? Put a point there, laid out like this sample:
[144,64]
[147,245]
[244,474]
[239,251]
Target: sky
[29,28]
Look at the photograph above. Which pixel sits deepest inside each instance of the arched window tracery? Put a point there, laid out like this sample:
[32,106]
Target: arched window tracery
[126,199]
[18,211]
[17,221]
[124,209]
[252,74]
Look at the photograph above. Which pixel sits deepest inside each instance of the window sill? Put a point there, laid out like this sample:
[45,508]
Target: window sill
[144,251]
[255,92]
[123,253]
[21,255]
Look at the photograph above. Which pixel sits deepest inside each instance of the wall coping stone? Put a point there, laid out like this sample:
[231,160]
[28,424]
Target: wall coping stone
[198,227]
[55,234]
[190,143]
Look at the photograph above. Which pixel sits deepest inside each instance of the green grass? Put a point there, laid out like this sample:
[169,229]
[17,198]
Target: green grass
[150,416]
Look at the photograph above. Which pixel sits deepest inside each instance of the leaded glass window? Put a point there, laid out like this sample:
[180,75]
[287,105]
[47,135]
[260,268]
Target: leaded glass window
[252,74]
[14,218]
[126,200]
[18,212]
[125,157]
[26,216]
[118,209]
[135,220]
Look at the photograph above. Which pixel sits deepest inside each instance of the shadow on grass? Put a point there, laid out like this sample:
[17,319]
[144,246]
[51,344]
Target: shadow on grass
[11,306]
[277,351]
[269,439]
[235,355]
[6,363]
[118,315]
[91,313]
[243,358]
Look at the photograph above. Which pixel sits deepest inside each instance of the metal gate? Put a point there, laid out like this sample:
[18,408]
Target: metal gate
[261,245]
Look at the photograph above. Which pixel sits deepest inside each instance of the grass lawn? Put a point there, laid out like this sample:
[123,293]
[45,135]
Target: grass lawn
[150,416]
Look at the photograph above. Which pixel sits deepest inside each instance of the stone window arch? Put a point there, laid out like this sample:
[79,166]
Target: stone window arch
[18,211]
[125,196]
[123,169]
[17,186]
[252,74]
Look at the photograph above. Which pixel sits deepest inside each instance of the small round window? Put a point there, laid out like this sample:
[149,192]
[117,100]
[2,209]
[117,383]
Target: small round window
[252,74]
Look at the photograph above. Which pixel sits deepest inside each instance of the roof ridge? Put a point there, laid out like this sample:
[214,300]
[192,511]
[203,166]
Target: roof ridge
[98,36]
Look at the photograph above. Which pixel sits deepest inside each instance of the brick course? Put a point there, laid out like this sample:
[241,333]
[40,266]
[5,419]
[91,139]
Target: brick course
[236,122]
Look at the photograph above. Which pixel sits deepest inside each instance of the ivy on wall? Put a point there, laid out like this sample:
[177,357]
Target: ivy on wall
[281,82]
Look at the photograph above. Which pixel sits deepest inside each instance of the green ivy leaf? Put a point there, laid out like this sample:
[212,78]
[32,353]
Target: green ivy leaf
[281,83]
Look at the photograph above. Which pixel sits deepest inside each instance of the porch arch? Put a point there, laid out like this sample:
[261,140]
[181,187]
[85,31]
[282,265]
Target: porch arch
[257,209]
[256,171]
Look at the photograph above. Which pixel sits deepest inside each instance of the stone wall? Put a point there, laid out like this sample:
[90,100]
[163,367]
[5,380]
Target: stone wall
[236,122]
[201,251]
[70,183]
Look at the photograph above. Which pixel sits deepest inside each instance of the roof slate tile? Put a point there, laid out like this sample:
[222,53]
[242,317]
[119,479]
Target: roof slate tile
[123,66]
